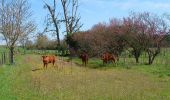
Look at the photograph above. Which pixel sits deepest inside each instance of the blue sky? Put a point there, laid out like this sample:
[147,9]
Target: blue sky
[94,11]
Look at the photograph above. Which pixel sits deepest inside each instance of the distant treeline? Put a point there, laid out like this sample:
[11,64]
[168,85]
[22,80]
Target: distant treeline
[166,41]
[42,42]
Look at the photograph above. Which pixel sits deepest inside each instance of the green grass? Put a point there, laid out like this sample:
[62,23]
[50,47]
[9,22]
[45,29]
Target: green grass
[160,67]
[74,82]
[3,49]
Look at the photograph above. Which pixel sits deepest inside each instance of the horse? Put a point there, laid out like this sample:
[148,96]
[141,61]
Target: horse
[107,57]
[48,59]
[84,57]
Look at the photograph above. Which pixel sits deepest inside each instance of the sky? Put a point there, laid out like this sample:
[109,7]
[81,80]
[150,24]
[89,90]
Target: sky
[95,11]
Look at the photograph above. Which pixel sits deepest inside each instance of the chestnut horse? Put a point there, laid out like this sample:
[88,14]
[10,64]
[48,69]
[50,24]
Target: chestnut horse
[48,59]
[106,57]
[84,58]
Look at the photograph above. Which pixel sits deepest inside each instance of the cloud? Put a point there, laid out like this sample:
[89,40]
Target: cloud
[94,11]
[161,6]
[128,4]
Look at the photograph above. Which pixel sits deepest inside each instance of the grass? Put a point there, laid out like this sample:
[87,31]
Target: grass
[160,67]
[26,80]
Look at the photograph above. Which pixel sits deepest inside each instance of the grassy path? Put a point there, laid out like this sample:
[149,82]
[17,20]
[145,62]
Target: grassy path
[67,81]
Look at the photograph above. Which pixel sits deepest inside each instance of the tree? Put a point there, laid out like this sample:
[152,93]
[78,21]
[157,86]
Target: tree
[14,22]
[100,38]
[156,29]
[42,41]
[23,43]
[116,37]
[166,41]
[29,44]
[132,27]
[145,32]
[81,41]
[52,18]
[71,17]
[97,38]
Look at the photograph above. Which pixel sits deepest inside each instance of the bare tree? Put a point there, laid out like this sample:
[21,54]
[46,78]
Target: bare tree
[71,16]
[52,19]
[67,16]
[14,22]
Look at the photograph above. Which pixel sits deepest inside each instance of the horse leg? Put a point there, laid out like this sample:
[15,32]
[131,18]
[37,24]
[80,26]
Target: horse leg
[85,63]
[106,61]
[46,66]
[53,63]
[82,62]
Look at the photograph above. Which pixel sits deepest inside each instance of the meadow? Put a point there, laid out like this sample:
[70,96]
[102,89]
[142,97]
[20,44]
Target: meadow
[27,80]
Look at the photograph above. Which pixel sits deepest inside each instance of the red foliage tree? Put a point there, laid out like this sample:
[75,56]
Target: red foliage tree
[156,29]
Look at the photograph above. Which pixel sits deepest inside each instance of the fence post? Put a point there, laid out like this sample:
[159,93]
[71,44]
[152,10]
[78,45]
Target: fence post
[9,55]
[4,58]
[0,59]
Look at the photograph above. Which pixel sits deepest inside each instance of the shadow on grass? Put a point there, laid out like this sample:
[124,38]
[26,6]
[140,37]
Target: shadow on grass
[96,65]
[36,69]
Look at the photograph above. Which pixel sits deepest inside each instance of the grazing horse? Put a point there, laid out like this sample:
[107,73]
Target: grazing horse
[106,57]
[84,58]
[48,59]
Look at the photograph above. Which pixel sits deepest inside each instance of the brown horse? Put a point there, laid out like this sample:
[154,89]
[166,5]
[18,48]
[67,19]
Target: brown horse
[48,59]
[84,57]
[107,57]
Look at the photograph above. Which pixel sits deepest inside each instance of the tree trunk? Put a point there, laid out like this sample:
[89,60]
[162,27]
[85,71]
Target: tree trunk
[70,50]
[136,53]
[57,32]
[150,59]
[11,55]
[137,59]
[152,55]
[54,19]
[24,48]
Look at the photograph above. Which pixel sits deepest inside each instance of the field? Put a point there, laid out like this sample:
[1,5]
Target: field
[27,80]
